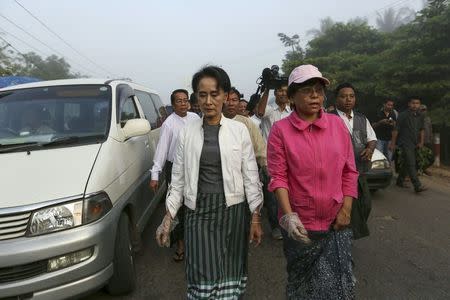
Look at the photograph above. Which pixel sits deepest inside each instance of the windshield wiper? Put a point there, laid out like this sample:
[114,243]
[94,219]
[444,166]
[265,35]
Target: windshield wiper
[66,140]
[63,140]
[17,147]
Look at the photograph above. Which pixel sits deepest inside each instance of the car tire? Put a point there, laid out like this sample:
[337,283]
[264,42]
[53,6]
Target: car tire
[123,280]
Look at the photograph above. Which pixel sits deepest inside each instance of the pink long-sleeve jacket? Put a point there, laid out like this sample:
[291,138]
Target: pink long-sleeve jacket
[315,163]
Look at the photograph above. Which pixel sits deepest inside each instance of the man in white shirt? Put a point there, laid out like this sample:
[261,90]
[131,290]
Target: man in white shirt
[269,114]
[345,102]
[253,116]
[348,120]
[364,141]
[168,135]
[165,151]
[256,120]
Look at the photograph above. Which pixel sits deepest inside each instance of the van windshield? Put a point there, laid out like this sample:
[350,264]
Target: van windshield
[41,116]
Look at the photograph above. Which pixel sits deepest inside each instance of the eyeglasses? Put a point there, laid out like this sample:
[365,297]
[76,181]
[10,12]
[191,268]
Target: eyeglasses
[181,101]
[309,90]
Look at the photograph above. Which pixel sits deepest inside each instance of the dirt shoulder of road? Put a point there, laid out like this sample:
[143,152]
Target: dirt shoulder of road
[439,176]
[442,171]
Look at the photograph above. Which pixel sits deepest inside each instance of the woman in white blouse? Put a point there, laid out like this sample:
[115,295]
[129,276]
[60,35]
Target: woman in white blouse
[216,174]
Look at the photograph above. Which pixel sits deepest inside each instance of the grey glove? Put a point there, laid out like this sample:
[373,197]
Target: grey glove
[294,227]
[163,230]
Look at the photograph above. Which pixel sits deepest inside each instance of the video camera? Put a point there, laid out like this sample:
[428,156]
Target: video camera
[270,79]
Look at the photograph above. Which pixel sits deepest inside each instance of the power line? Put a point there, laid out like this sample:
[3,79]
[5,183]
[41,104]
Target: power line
[63,40]
[30,35]
[390,5]
[23,55]
[394,3]
[46,45]
[23,42]
[400,4]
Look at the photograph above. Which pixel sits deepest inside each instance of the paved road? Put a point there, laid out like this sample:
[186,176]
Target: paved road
[407,255]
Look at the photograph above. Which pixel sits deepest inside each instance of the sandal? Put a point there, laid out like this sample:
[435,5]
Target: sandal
[178,256]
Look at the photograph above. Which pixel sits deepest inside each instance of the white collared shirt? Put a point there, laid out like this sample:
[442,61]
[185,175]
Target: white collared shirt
[272,115]
[257,121]
[168,138]
[371,136]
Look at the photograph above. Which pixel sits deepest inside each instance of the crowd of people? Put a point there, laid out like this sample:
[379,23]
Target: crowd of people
[405,138]
[305,164]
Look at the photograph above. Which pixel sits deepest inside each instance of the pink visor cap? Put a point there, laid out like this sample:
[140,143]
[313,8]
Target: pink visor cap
[305,72]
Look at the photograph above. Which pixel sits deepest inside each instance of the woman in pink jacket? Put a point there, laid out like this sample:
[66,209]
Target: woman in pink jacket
[313,174]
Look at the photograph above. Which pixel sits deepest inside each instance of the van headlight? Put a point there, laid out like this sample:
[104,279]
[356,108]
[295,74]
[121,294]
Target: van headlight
[380,164]
[69,215]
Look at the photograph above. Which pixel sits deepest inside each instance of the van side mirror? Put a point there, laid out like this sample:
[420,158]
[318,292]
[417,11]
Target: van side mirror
[136,127]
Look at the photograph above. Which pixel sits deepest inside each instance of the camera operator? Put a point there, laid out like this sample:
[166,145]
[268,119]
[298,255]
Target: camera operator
[384,125]
[270,80]
[271,114]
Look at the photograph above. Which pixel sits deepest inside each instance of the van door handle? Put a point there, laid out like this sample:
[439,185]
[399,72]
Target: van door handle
[146,144]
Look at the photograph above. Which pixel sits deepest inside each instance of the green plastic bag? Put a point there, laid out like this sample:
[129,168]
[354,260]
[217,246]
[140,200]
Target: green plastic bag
[424,159]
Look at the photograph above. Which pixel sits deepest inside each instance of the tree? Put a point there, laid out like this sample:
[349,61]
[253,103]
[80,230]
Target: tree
[353,36]
[414,59]
[391,19]
[358,21]
[293,42]
[33,65]
[325,25]
[296,54]
[52,67]
[425,45]
[9,64]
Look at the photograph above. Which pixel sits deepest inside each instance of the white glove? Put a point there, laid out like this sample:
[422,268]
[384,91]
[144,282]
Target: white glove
[163,231]
[294,227]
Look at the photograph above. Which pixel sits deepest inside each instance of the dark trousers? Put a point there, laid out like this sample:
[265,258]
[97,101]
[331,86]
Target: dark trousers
[383,146]
[270,202]
[361,208]
[409,167]
[168,172]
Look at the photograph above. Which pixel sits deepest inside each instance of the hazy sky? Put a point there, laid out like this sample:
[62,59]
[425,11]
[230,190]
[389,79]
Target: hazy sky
[161,44]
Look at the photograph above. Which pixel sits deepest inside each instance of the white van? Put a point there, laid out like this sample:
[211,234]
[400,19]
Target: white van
[75,157]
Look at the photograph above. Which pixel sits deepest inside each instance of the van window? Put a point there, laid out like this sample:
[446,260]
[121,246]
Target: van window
[160,108]
[128,111]
[74,117]
[43,114]
[148,106]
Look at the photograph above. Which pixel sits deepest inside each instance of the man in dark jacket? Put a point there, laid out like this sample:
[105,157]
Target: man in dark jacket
[409,135]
